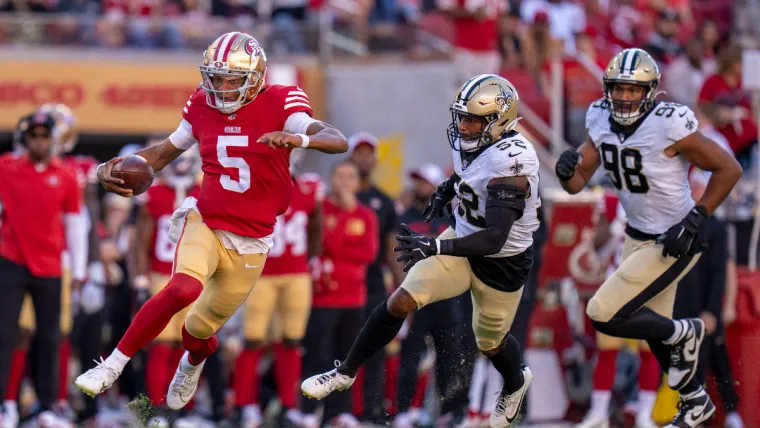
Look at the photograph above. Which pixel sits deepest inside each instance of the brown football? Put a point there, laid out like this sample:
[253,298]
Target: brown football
[136,173]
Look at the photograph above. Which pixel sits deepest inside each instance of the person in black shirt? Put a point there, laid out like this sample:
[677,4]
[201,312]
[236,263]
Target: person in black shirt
[363,149]
[700,294]
[447,322]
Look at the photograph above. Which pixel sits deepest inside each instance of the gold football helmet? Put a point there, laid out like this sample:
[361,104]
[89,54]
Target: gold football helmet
[633,67]
[233,55]
[65,133]
[489,98]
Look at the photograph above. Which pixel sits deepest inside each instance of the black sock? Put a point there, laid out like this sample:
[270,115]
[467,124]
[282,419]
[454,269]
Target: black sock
[509,363]
[644,324]
[379,329]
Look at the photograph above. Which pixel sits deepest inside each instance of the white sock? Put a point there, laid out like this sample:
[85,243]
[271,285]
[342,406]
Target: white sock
[680,328]
[10,404]
[117,360]
[646,403]
[600,402]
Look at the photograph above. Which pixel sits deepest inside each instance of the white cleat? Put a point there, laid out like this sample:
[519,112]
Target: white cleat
[184,383]
[251,417]
[594,420]
[321,385]
[99,378]
[508,406]
[48,419]
[644,420]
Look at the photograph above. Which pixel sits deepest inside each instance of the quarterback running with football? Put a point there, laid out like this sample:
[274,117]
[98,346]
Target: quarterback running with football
[487,251]
[646,148]
[246,131]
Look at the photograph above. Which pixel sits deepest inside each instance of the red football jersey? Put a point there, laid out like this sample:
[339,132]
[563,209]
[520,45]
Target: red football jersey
[159,201]
[86,168]
[290,251]
[34,202]
[246,184]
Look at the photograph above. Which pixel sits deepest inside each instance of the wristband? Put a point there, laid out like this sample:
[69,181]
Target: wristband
[304,141]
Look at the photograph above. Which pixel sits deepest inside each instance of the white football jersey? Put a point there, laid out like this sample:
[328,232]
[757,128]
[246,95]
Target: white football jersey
[509,157]
[653,187]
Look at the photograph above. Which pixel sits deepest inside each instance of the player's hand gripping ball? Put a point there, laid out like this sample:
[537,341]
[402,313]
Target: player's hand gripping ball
[128,176]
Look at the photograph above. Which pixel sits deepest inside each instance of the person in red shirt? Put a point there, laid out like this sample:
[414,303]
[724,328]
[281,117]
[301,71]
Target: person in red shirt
[40,217]
[475,35]
[284,291]
[729,106]
[246,131]
[154,255]
[350,244]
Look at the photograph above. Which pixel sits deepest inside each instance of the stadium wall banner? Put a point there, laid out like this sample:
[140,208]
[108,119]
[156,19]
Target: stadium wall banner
[121,98]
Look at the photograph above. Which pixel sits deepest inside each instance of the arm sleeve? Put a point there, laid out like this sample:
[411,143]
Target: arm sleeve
[183,137]
[682,124]
[76,242]
[298,123]
[716,257]
[72,204]
[504,206]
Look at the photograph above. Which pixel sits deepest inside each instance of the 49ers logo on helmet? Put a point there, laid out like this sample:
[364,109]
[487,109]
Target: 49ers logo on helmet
[252,47]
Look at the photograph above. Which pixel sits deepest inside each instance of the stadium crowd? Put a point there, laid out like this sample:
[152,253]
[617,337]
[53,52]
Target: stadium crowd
[253,378]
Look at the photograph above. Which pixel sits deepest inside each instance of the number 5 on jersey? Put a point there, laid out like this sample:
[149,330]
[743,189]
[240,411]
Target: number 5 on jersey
[625,163]
[244,171]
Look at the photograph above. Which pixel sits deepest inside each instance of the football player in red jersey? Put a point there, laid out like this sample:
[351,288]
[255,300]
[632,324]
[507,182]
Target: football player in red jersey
[246,131]
[284,289]
[154,255]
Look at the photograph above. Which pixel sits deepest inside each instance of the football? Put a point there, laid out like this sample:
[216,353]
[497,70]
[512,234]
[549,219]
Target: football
[136,173]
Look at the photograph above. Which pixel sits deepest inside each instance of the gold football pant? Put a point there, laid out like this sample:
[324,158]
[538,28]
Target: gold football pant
[443,277]
[644,279]
[281,301]
[227,276]
[26,320]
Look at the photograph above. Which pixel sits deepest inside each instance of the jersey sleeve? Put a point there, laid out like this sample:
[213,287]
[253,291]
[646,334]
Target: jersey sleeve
[183,138]
[516,159]
[682,123]
[595,113]
[296,101]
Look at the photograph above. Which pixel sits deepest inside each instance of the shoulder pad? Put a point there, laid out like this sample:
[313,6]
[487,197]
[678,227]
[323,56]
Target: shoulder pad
[679,120]
[513,157]
[597,117]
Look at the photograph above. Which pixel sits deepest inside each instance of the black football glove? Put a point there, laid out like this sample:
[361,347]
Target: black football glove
[687,237]
[568,161]
[414,247]
[440,199]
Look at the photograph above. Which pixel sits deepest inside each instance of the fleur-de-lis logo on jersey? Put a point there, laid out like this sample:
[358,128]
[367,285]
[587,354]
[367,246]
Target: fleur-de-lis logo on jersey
[504,99]
[689,125]
[516,168]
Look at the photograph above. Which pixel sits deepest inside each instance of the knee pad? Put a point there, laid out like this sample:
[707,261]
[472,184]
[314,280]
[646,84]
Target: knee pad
[595,310]
[197,344]
[183,289]
[197,326]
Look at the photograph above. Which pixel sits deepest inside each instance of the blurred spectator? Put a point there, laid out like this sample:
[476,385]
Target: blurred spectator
[709,35]
[729,106]
[35,232]
[475,35]
[515,44]
[544,43]
[445,321]
[663,43]
[288,19]
[147,25]
[686,73]
[350,245]
[700,294]
[626,25]
[565,18]
[363,148]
